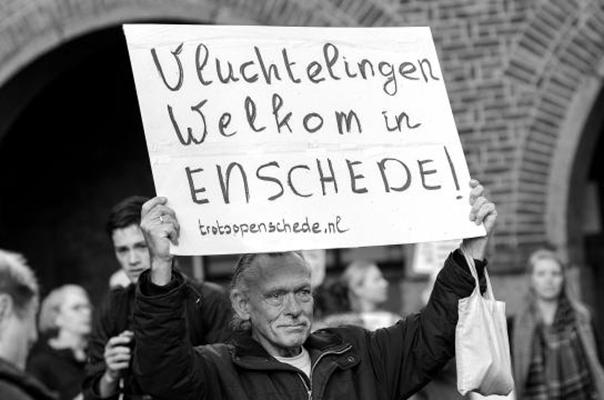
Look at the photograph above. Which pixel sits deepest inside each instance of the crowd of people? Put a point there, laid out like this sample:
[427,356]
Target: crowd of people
[281,330]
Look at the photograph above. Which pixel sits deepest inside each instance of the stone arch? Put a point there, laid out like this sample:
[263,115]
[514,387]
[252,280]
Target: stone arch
[557,81]
[30,32]
[47,49]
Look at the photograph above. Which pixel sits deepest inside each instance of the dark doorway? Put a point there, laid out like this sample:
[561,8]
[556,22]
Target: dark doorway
[591,209]
[75,150]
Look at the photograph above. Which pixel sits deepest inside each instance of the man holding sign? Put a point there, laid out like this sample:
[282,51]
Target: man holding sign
[275,356]
[269,139]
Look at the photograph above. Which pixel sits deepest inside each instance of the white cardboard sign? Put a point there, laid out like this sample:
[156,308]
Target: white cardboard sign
[283,138]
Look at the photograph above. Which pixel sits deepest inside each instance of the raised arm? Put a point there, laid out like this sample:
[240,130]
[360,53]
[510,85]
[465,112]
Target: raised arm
[160,227]
[411,352]
[165,363]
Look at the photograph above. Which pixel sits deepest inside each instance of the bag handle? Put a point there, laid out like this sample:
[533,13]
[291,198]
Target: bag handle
[470,261]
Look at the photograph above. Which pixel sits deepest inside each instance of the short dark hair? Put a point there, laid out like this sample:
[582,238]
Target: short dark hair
[125,213]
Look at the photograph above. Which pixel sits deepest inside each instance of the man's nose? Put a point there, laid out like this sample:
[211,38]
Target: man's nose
[292,306]
[133,257]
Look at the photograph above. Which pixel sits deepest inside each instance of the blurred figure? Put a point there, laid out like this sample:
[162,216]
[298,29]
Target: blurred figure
[207,310]
[18,308]
[60,358]
[316,261]
[332,306]
[118,279]
[367,290]
[554,351]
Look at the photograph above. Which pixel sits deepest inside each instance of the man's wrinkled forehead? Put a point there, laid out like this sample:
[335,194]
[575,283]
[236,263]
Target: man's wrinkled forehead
[269,270]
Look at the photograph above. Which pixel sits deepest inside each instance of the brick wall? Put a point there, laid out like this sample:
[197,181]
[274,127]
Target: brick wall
[512,69]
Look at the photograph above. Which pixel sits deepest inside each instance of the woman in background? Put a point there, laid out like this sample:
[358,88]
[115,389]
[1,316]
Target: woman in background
[18,308]
[367,290]
[554,349]
[64,323]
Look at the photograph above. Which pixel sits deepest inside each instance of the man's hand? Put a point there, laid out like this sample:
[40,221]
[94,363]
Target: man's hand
[483,212]
[160,227]
[117,359]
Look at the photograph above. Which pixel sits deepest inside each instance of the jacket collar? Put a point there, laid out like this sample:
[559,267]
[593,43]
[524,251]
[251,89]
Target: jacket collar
[24,381]
[248,353]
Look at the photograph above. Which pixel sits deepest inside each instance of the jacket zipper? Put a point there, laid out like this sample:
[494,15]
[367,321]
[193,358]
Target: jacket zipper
[312,367]
[308,389]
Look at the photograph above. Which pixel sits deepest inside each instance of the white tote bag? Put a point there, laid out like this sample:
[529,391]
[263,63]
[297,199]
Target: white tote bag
[482,349]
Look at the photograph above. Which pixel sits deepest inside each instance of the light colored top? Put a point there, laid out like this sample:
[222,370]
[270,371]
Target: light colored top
[301,361]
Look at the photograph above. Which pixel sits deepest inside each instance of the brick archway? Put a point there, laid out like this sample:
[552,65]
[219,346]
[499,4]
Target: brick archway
[30,30]
[557,83]
[521,77]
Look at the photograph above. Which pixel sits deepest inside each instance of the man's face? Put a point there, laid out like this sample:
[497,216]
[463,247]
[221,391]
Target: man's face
[280,304]
[20,332]
[131,251]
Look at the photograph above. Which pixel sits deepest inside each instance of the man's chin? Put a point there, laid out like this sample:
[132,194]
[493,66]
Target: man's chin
[296,337]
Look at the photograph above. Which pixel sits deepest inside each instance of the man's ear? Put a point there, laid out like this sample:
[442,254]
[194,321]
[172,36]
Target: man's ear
[240,304]
[6,307]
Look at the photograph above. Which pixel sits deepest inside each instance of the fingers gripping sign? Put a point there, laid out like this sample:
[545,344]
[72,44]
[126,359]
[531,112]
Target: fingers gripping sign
[483,212]
[160,228]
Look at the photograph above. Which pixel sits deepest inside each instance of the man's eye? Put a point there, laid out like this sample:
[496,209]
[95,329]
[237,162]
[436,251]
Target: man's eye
[304,294]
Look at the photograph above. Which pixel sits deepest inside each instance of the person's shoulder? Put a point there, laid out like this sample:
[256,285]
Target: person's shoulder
[219,349]
[18,385]
[217,353]
[355,337]
[208,291]
[582,311]
[206,287]
[343,333]
[11,391]
[114,309]
[116,296]
[118,293]
[41,356]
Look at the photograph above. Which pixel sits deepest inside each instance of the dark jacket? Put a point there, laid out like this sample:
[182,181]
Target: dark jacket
[59,370]
[207,314]
[18,385]
[347,363]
